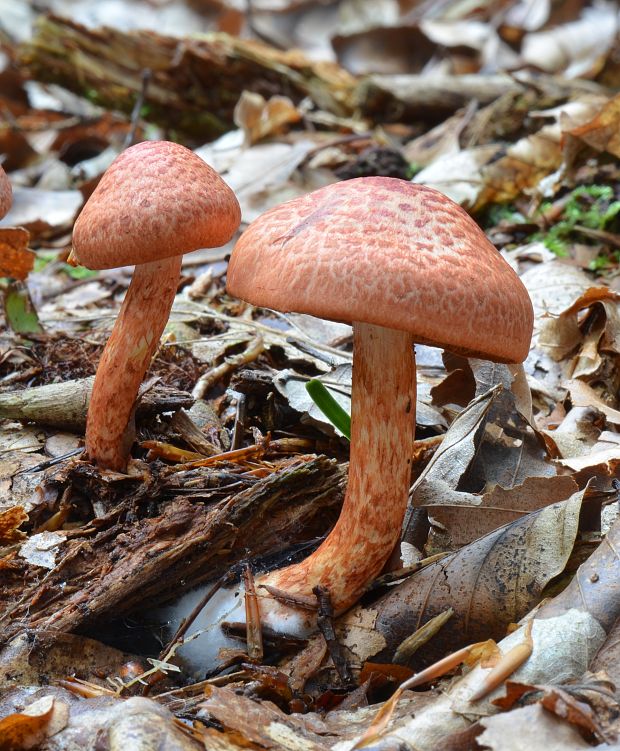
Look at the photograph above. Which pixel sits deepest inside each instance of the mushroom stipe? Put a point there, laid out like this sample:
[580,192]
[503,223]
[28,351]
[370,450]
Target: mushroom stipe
[143,213]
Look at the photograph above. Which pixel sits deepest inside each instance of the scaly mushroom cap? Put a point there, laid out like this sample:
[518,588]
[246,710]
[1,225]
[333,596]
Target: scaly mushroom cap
[391,253]
[156,200]
[6,194]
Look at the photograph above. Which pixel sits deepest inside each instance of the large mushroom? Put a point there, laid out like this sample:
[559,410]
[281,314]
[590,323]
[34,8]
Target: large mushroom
[6,194]
[402,263]
[156,201]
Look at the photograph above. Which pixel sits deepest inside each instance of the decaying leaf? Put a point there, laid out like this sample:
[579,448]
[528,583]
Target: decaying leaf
[532,728]
[561,334]
[15,259]
[464,517]
[259,118]
[42,549]
[601,132]
[578,48]
[29,728]
[10,521]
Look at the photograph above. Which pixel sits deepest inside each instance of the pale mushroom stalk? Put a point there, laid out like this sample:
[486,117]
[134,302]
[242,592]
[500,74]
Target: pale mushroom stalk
[126,358]
[382,431]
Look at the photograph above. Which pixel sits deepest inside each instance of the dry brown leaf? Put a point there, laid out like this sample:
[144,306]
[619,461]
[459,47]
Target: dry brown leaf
[490,583]
[583,395]
[602,132]
[10,520]
[499,506]
[553,287]
[28,729]
[41,657]
[522,167]
[561,334]
[385,50]
[578,48]
[608,657]
[459,175]
[257,724]
[258,117]
[43,211]
[16,261]
[529,728]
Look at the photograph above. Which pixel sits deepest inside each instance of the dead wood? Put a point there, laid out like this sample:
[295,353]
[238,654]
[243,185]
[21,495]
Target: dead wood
[146,562]
[194,84]
[64,405]
[404,96]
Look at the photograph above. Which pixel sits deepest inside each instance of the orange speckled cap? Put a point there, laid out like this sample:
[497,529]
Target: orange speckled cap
[156,200]
[387,252]
[6,194]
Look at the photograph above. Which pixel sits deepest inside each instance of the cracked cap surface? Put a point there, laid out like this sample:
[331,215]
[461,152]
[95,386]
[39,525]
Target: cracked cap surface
[388,252]
[156,200]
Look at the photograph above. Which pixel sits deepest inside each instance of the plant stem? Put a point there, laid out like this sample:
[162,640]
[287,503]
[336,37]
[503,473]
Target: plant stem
[338,416]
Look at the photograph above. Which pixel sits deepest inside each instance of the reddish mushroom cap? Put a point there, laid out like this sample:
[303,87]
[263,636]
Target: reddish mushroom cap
[156,200]
[6,194]
[388,252]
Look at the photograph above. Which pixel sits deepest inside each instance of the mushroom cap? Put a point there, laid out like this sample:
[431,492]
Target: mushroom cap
[388,252]
[156,200]
[6,194]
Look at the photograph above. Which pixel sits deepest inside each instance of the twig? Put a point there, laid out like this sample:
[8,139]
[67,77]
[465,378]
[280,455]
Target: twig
[137,108]
[254,634]
[325,622]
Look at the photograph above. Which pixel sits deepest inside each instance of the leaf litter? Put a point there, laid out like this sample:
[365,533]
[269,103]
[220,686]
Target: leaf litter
[513,113]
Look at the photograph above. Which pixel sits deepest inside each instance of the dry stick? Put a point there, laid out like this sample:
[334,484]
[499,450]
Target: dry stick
[325,623]
[507,665]
[255,347]
[189,619]
[241,413]
[254,634]
[137,108]
[305,602]
[254,452]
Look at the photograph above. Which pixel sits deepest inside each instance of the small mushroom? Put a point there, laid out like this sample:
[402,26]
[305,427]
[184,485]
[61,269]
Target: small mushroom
[402,263]
[6,194]
[156,201]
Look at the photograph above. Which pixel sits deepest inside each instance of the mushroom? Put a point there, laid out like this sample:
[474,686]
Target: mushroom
[156,201]
[6,194]
[404,264]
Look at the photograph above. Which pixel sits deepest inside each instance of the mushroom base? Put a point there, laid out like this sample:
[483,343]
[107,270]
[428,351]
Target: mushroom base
[126,358]
[383,402]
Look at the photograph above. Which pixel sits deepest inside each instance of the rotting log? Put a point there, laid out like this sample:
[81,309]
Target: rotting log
[64,405]
[145,562]
[194,82]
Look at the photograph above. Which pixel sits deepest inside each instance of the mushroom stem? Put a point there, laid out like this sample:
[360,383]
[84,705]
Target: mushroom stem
[383,401]
[125,360]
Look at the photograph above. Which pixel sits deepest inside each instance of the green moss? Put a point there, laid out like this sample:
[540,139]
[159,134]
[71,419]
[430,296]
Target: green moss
[591,207]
